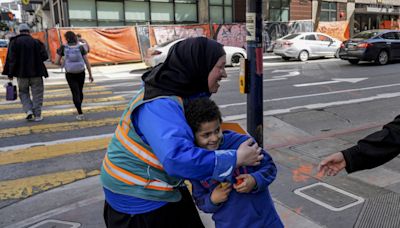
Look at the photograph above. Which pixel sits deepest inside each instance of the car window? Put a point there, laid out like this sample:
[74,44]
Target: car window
[365,35]
[291,36]
[323,38]
[398,35]
[310,37]
[389,36]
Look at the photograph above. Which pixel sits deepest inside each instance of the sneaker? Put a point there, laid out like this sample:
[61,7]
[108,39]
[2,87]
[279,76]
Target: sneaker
[80,117]
[29,116]
[38,118]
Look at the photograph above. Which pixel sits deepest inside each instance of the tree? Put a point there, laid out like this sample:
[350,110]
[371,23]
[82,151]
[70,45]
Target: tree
[318,15]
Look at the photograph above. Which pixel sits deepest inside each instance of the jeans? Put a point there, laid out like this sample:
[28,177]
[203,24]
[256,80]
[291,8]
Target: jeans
[35,104]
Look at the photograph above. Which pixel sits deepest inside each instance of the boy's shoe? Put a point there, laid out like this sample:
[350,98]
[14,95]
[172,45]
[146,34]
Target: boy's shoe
[29,116]
[80,117]
[38,118]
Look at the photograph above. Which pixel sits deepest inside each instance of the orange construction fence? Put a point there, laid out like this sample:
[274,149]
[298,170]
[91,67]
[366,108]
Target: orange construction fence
[3,55]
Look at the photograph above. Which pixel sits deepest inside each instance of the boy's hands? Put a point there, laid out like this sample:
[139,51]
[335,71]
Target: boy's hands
[245,183]
[220,194]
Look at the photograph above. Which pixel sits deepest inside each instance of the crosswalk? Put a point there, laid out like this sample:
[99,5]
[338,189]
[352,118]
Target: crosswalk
[38,156]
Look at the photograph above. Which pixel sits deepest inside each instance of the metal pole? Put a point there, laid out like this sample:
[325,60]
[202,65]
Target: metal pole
[254,25]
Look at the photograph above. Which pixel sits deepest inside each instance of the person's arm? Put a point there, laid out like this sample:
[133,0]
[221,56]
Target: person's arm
[202,197]
[163,126]
[370,152]
[88,67]
[265,173]
[43,53]
[375,149]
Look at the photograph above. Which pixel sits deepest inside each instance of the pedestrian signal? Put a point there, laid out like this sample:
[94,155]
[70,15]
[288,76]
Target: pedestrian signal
[25,2]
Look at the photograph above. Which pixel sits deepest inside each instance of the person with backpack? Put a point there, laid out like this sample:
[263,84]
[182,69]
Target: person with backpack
[75,59]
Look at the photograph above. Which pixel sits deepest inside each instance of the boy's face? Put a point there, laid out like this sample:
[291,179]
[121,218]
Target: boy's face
[209,135]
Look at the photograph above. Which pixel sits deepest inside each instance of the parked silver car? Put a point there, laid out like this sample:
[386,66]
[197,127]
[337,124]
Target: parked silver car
[307,45]
[158,54]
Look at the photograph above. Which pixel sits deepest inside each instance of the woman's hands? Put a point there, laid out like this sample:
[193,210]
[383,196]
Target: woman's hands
[220,193]
[249,153]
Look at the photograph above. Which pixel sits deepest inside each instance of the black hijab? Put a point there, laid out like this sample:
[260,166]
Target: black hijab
[185,71]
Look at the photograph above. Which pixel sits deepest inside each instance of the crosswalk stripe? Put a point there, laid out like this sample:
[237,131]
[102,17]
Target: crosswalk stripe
[56,91]
[50,151]
[58,127]
[63,112]
[63,86]
[25,187]
[64,102]
[68,94]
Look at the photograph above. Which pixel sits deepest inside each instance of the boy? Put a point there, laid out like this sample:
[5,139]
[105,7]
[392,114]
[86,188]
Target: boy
[245,203]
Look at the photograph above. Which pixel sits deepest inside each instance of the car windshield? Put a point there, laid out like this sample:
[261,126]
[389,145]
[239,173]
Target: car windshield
[365,35]
[291,36]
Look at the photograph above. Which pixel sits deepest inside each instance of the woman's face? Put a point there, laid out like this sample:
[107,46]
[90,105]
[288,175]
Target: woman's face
[217,74]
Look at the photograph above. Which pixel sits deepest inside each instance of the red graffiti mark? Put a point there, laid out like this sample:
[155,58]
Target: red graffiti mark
[302,173]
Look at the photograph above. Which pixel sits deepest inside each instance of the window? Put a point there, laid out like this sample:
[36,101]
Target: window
[310,37]
[328,11]
[389,36]
[220,11]
[323,38]
[279,10]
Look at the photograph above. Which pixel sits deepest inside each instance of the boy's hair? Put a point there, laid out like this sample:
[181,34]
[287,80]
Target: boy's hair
[201,110]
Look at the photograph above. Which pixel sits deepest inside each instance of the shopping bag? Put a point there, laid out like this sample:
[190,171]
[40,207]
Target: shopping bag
[11,92]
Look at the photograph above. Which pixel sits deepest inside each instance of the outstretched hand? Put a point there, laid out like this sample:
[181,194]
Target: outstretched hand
[332,164]
[245,183]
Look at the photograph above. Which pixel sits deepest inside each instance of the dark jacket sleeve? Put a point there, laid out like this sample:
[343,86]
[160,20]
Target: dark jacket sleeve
[43,53]
[10,59]
[375,149]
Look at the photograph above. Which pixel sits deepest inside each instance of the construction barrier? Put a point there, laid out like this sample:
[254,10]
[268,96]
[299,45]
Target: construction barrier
[3,55]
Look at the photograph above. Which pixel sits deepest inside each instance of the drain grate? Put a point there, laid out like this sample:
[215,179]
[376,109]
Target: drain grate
[52,223]
[381,211]
[328,196]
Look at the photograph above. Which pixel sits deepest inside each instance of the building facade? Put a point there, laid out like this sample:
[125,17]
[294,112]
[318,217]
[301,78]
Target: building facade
[361,14]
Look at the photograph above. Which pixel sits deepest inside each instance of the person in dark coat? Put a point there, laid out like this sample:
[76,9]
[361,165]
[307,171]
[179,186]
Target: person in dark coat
[370,152]
[24,61]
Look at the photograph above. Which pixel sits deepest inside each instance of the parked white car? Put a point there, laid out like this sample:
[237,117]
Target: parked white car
[158,54]
[304,46]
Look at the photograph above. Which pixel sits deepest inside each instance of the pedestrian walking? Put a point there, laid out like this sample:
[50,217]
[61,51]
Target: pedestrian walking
[370,152]
[74,59]
[25,57]
[246,195]
[83,42]
[152,150]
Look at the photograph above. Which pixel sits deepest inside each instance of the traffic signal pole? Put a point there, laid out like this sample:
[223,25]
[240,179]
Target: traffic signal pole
[254,27]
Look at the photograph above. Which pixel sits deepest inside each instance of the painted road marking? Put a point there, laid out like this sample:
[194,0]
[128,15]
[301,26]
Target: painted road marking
[323,204]
[58,127]
[25,187]
[63,112]
[57,91]
[50,151]
[64,102]
[316,106]
[333,81]
[66,86]
[314,95]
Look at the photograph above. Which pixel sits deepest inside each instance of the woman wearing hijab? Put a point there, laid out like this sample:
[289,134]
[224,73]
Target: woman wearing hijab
[152,150]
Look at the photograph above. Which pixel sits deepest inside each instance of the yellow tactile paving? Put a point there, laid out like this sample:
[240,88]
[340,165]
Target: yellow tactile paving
[68,94]
[66,102]
[52,91]
[64,112]
[65,85]
[25,187]
[58,127]
[50,151]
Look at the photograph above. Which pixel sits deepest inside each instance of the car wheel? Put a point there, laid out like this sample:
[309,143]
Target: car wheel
[303,56]
[285,58]
[235,60]
[383,58]
[354,61]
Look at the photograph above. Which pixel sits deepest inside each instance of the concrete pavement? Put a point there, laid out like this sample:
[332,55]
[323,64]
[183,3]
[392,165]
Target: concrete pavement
[302,198]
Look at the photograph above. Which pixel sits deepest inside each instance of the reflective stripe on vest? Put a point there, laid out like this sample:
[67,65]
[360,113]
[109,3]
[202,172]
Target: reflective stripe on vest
[132,179]
[136,149]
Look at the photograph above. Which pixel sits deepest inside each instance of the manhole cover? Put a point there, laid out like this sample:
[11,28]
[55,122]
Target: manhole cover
[51,223]
[381,211]
[328,196]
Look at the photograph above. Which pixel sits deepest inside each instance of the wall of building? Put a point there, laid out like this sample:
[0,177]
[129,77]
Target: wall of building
[300,10]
